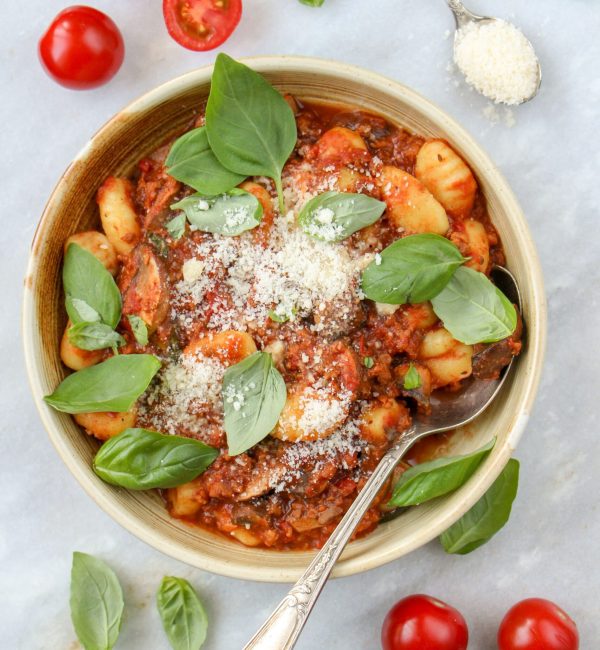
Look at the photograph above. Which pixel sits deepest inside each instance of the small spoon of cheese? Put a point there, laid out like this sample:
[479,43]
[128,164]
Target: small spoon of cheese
[495,57]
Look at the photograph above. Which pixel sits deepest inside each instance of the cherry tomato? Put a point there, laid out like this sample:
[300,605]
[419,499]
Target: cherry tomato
[537,624]
[421,622]
[82,48]
[201,24]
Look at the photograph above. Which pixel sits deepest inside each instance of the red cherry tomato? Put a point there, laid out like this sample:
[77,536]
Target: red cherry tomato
[537,624]
[421,622]
[201,24]
[82,48]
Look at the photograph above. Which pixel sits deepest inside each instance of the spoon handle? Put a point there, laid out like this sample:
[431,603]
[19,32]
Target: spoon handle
[281,630]
[461,14]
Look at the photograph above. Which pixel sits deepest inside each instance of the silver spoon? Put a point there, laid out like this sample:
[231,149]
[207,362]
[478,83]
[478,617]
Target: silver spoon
[463,16]
[449,411]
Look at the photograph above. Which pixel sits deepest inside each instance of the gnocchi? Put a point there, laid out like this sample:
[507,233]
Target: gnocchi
[228,347]
[411,207]
[478,244]
[74,357]
[382,417]
[183,500]
[341,145]
[448,360]
[99,246]
[106,425]
[446,175]
[118,215]
[309,415]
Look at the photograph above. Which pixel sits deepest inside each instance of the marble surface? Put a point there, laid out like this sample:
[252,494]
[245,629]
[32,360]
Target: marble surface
[549,151]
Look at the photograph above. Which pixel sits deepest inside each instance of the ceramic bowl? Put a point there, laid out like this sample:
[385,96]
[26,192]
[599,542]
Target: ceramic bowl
[115,150]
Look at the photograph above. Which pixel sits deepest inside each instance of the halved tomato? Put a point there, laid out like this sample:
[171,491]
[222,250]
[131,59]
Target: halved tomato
[201,24]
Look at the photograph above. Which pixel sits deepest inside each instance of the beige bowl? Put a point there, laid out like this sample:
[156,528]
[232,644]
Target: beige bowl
[115,149]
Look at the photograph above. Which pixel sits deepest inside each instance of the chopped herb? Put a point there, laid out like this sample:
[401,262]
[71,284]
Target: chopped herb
[412,379]
[368,362]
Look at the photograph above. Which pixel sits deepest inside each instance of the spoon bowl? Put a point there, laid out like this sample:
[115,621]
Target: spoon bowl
[464,16]
[448,411]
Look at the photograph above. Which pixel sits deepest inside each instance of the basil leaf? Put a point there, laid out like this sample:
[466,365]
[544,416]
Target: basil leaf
[96,602]
[176,226]
[333,216]
[139,329]
[251,128]
[139,459]
[473,310]
[437,477]
[313,3]
[183,616]
[368,362]
[230,213]
[112,385]
[87,281]
[411,270]
[487,516]
[254,394]
[94,336]
[85,314]
[192,162]
[412,379]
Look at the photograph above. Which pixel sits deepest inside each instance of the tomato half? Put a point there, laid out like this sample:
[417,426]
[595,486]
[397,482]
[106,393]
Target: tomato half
[201,24]
[537,624]
[420,622]
[82,48]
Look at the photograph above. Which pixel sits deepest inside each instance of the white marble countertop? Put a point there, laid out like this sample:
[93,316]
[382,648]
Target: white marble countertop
[550,152]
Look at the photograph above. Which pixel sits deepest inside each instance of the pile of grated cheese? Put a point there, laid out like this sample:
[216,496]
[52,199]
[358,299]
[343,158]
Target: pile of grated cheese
[186,396]
[294,276]
[498,60]
[296,456]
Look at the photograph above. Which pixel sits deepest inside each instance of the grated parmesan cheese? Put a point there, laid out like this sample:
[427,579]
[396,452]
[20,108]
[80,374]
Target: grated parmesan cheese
[345,440]
[498,60]
[185,396]
[294,276]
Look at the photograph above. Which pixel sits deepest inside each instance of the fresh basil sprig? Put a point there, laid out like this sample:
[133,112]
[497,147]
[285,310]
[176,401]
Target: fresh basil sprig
[437,477]
[139,459]
[478,525]
[333,216]
[411,270]
[90,290]
[230,213]
[412,378]
[183,617]
[139,329]
[176,226]
[473,309]
[254,395]
[94,336]
[112,385]
[96,602]
[192,162]
[251,128]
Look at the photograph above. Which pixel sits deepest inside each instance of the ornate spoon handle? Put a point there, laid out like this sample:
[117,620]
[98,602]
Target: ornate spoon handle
[282,628]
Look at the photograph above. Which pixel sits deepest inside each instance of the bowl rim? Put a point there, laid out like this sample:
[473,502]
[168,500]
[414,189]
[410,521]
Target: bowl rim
[478,484]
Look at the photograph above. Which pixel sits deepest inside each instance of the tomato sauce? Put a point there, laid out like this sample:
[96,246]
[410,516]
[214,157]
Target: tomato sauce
[285,494]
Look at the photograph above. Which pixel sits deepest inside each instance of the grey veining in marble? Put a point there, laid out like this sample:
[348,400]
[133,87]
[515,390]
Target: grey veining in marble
[550,155]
